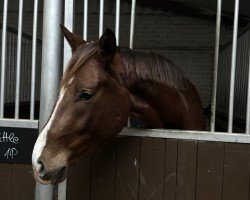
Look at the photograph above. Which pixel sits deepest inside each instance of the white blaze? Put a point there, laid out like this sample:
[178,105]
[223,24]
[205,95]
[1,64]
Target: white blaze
[42,138]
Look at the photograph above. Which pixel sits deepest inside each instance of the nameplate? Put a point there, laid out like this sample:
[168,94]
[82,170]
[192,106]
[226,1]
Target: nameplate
[16,144]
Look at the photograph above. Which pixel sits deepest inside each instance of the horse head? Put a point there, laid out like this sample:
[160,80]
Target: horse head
[93,106]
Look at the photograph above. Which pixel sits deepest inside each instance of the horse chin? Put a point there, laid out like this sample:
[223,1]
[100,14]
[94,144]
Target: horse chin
[55,180]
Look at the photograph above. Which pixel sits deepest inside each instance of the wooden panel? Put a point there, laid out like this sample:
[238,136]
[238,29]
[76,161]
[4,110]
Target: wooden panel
[152,169]
[210,163]
[78,183]
[186,170]
[127,168]
[5,180]
[236,172]
[23,183]
[103,173]
[170,169]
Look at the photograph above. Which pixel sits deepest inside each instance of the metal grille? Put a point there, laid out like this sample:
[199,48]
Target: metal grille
[26,65]
[20,68]
[241,79]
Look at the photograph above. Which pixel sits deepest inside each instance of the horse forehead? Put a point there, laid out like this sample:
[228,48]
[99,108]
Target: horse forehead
[91,72]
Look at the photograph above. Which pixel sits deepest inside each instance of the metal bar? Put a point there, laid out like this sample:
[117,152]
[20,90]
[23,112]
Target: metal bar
[62,190]
[33,64]
[101,14]
[187,135]
[19,123]
[132,24]
[248,92]
[18,60]
[69,23]
[11,71]
[9,61]
[51,62]
[215,70]
[5,11]
[117,21]
[233,65]
[131,38]
[85,21]
[24,66]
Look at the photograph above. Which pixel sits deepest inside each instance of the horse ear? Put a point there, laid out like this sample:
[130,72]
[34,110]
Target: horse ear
[74,40]
[107,46]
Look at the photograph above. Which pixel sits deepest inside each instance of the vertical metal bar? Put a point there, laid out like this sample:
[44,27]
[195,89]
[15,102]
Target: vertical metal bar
[11,91]
[51,62]
[85,21]
[33,64]
[62,190]
[131,38]
[23,71]
[117,21]
[10,57]
[69,23]
[216,60]
[132,24]
[101,14]
[5,11]
[18,60]
[248,91]
[233,65]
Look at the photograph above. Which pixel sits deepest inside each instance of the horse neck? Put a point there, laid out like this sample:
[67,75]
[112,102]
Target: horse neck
[161,106]
[143,95]
[152,102]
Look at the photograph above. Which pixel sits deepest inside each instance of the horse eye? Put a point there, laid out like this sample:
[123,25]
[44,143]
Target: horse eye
[85,96]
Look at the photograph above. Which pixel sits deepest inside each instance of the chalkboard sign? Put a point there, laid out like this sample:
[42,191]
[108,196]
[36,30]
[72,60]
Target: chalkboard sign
[16,144]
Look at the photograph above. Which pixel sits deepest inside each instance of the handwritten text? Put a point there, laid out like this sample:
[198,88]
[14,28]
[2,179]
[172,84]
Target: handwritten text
[11,152]
[8,137]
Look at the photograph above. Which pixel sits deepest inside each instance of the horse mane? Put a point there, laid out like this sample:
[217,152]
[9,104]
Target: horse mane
[139,64]
[153,67]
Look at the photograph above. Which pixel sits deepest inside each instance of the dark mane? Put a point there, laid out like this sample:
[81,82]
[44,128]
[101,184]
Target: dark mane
[154,67]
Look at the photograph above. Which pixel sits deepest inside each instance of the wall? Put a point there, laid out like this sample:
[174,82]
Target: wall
[188,42]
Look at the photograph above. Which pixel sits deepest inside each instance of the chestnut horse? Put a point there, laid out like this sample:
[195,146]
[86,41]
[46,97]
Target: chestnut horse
[103,86]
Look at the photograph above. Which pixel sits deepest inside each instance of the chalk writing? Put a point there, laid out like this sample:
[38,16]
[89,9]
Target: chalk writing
[11,152]
[8,138]
[16,144]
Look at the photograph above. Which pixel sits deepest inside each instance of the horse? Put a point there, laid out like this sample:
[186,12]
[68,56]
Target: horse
[101,88]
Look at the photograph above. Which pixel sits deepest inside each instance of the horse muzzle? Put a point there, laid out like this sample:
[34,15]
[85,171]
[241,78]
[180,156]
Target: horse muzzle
[50,177]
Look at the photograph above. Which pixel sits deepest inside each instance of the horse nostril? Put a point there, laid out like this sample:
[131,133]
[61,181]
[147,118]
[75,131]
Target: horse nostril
[41,169]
